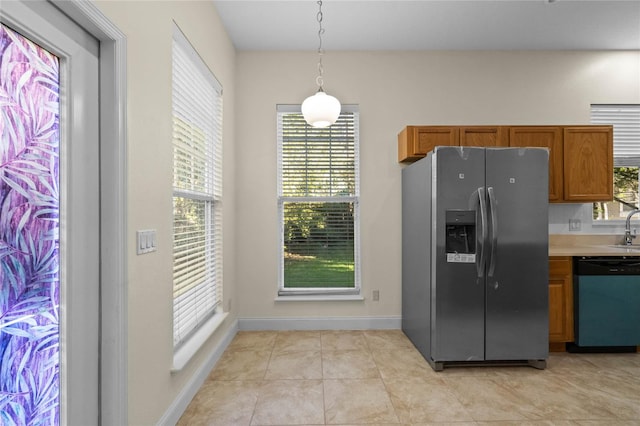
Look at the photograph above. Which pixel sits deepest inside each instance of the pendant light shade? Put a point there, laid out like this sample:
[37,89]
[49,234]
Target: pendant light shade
[321,110]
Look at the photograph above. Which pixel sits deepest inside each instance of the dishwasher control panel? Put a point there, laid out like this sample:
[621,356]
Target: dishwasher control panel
[607,265]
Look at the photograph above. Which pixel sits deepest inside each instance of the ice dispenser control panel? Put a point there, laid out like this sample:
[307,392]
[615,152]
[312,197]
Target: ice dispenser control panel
[460,239]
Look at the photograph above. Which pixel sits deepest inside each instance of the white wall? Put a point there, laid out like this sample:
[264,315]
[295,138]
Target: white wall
[394,89]
[148,27]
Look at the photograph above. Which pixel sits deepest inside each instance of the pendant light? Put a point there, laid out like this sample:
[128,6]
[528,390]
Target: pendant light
[320,110]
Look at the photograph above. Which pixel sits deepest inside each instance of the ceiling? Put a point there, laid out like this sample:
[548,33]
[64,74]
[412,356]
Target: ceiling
[433,25]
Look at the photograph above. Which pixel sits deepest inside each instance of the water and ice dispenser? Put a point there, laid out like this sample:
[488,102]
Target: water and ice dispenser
[460,241]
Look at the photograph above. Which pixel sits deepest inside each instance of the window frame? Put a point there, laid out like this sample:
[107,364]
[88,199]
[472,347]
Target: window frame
[627,151]
[209,313]
[316,293]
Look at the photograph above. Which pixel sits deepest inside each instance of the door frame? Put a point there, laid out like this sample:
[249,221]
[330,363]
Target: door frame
[113,224]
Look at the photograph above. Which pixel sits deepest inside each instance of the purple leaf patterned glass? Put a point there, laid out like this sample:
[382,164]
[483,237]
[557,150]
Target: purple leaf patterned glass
[29,233]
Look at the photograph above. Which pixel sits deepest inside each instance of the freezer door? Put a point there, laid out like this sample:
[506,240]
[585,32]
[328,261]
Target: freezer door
[457,283]
[517,315]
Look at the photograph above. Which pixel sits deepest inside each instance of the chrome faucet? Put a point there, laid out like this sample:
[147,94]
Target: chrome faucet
[627,228]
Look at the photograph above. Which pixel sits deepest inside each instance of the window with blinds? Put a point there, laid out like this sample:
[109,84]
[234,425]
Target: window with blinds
[626,159]
[197,190]
[318,189]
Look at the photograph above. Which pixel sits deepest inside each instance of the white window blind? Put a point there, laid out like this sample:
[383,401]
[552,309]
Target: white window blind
[318,190]
[626,159]
[626,131]
[197,190]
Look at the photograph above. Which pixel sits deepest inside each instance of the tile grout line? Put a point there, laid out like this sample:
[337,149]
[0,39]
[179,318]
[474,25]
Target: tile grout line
[324,401]
[263,380]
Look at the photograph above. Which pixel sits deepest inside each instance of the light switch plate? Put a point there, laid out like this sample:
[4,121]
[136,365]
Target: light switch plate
[146,241]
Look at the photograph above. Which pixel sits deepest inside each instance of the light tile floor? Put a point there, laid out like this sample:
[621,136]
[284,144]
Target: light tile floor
[379,378]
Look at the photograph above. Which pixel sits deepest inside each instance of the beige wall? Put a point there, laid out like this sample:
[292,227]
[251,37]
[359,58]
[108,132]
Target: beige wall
[394,89]
[148,27]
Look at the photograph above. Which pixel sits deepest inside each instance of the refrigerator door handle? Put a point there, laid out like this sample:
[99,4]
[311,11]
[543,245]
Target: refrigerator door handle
[494,231]
[483,221]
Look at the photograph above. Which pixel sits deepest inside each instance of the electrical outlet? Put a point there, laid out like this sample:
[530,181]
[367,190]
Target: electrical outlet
[376,295]
[575,224]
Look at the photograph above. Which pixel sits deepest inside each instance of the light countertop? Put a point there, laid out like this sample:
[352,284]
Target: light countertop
[589,245]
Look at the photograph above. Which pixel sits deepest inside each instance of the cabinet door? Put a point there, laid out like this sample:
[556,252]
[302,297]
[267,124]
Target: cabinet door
[483,136]
[588,163]
[544,137]
[560,300]
[429,137]
[415,142]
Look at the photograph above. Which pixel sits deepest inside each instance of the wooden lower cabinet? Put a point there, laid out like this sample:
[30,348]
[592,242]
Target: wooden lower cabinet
[560,302]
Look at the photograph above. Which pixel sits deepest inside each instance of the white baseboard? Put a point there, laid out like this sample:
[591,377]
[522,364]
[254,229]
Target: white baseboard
[333,323]
[180,404]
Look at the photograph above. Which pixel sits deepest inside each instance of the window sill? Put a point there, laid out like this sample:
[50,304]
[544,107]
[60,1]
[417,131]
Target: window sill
[320,298]
[184,354]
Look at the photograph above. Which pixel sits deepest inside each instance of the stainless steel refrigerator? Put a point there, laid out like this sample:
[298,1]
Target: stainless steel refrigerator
[475,256]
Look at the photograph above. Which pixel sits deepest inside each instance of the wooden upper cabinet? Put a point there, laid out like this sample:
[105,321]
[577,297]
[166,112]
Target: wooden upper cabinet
[588,163]
[415,142]
[483,136]
[544,137]
[580,157]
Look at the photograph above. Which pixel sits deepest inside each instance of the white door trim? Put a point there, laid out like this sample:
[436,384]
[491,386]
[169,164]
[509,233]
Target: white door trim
[113,225]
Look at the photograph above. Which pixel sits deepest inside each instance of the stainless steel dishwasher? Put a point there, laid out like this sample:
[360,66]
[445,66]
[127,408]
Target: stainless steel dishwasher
[607,304]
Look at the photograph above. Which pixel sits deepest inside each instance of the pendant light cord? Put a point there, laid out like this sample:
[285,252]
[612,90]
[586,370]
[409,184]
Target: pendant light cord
[319,79]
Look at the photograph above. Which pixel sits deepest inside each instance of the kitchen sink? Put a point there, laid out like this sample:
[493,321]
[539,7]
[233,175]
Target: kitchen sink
[626,247]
